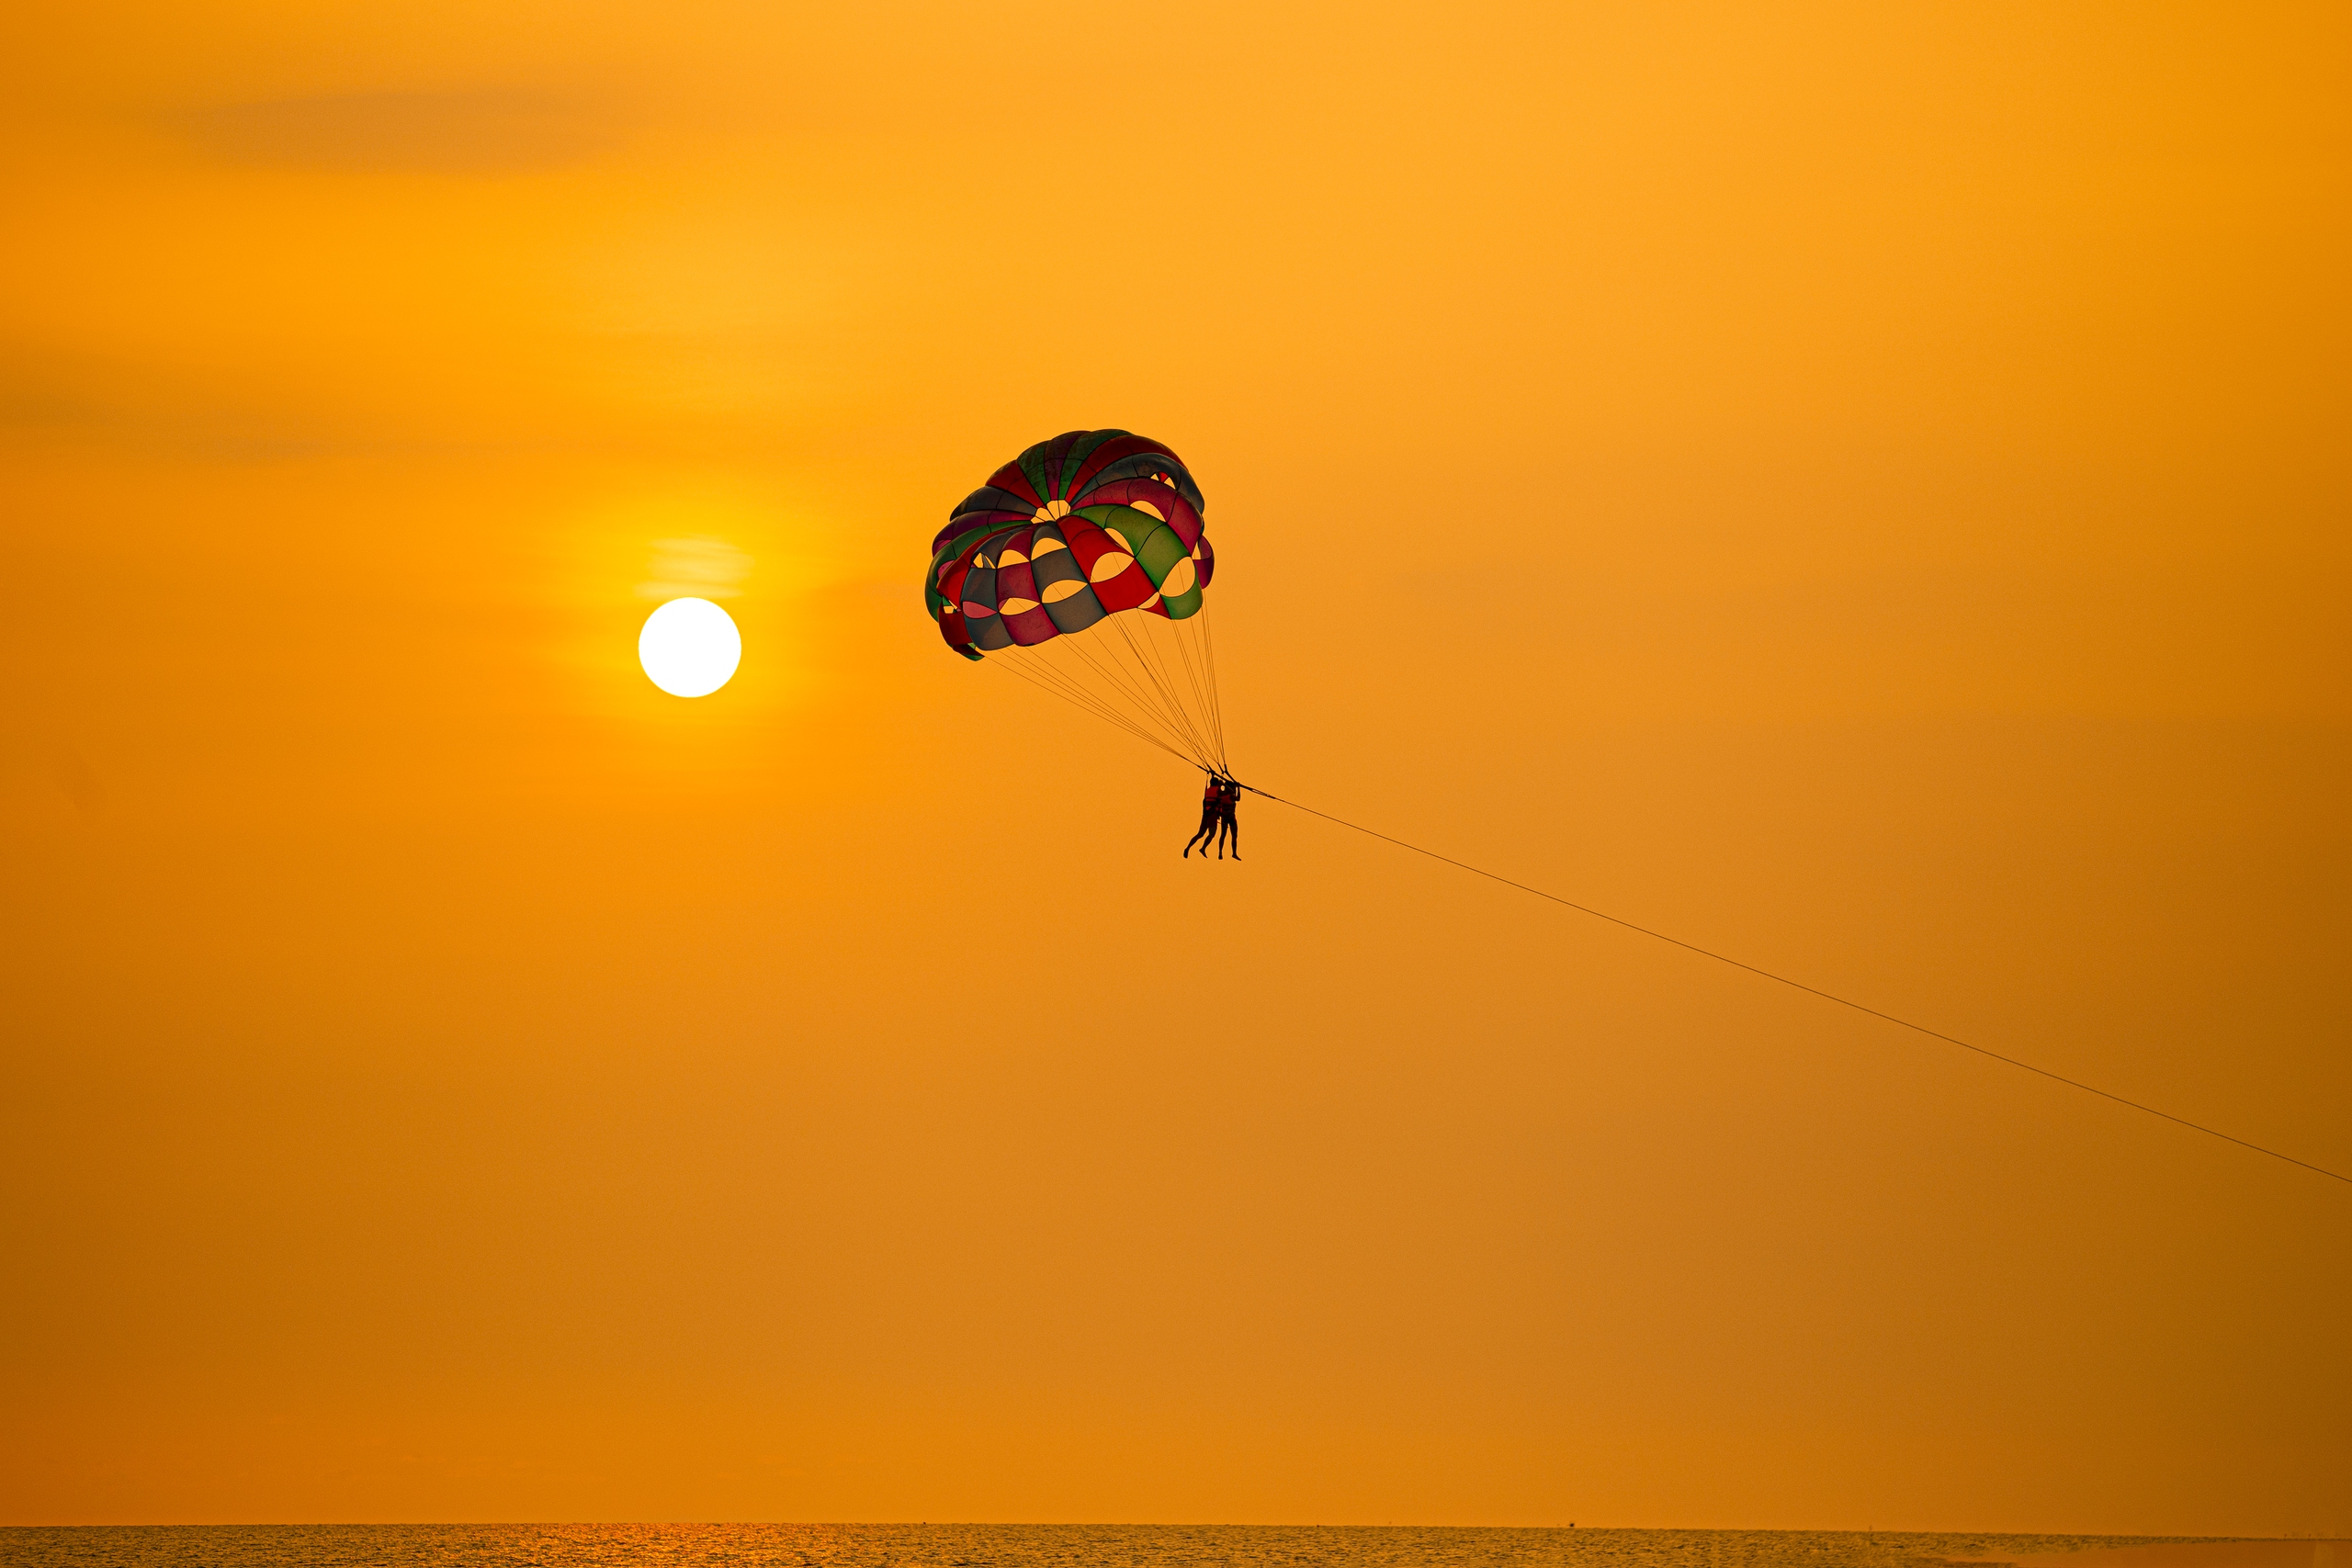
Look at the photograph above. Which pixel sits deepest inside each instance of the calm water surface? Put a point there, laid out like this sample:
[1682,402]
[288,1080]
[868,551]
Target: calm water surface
[1004,1546]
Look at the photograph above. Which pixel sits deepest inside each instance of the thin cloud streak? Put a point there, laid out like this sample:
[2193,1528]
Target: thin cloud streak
[490,132]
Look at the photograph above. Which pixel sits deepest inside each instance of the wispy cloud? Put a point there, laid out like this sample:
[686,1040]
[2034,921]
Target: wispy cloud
[490,131]
[695,568]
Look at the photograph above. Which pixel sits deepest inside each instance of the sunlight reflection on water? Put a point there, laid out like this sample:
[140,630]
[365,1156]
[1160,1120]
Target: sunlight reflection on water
[1003,1546]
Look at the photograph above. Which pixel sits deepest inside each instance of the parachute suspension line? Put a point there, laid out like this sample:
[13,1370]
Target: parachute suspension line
[1208,650]
[1147,655]
[1077,663]
[1170,718]
[1195,655]
[1176,641]
[1120,703]
[1144,695]
[1181,635]
[1099,712]
[1061,668]
[1812,990]
[1147,660]
[1194,635]
[1217,696]
[1055,682]
[1145,700]
[1142,721]
[1155,666]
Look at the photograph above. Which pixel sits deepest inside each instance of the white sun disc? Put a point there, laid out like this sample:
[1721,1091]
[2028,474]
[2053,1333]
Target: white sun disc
[689,648]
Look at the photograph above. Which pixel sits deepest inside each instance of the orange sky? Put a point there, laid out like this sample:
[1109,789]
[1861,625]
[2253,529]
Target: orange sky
[1862,487]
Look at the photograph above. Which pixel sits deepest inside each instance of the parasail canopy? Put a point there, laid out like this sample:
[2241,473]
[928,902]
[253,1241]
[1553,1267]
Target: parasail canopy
[1083,566]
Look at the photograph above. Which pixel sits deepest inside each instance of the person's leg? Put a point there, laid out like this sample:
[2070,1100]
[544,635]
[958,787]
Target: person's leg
[1200,837]
[1233,829]
[1220,835]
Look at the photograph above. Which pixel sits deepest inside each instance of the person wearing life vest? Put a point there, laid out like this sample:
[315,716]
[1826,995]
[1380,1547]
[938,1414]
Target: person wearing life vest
[1228,825]
[1212,799]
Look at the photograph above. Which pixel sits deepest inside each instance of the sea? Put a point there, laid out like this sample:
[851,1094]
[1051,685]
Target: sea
[1003,1546]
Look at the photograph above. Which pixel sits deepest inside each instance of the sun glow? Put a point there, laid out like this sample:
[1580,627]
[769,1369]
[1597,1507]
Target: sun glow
[689,648]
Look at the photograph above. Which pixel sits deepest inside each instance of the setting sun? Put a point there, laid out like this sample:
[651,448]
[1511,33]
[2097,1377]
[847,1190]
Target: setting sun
[689,648]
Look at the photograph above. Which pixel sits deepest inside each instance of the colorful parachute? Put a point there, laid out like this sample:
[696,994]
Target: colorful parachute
[1083,566]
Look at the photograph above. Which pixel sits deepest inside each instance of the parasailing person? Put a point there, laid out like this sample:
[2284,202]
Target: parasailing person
[1212,816]
[1229,824]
